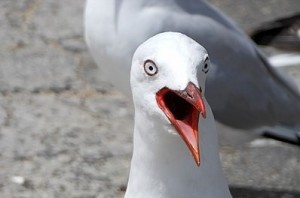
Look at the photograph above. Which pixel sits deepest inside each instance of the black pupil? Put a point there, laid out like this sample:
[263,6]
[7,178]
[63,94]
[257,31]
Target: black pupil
[150,68]
[205,66]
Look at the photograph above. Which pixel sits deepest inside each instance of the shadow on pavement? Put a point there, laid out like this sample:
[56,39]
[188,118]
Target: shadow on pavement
[246,192]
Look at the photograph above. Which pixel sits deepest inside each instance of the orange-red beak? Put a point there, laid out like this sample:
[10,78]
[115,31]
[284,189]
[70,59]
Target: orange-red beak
[183,108]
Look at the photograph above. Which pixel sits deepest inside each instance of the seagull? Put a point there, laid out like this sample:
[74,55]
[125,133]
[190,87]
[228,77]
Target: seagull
[244,91]
[175,140]
[284,34]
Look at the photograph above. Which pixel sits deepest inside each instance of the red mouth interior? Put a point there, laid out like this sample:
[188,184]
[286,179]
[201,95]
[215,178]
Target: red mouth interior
[182,114]
[179,107]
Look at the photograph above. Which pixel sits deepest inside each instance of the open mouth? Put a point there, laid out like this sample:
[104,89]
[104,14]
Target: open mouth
[183,108]
[179,107]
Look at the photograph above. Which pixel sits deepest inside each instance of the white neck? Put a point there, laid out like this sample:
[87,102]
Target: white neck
[163,167]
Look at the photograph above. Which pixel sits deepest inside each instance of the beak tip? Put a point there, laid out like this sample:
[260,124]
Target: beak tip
[197,162]
[203,113]
[197,158]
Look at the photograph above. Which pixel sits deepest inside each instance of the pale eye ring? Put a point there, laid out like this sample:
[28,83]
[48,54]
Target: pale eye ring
[206,65]
[150,68]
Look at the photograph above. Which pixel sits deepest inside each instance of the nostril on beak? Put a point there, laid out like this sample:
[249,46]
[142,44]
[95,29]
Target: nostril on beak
[189,95]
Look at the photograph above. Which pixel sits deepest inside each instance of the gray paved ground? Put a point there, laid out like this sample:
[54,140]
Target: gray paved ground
[65,133]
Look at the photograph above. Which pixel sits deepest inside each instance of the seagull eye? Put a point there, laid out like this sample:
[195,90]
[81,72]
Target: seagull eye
[206,65]
[150,68]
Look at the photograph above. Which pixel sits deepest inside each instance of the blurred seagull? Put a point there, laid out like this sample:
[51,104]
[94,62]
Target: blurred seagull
[173,122]
[284,34]
[243,89]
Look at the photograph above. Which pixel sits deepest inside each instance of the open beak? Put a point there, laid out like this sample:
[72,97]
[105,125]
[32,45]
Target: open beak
[183,108]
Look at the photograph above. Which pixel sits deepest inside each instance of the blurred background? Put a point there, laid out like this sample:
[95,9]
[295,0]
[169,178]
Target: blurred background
[66,133]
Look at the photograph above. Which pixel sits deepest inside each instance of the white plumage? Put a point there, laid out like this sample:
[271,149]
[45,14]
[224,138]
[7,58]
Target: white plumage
[244,90]
[162,165]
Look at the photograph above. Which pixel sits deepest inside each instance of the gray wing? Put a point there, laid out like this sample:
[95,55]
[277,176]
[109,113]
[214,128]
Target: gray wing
[243,89]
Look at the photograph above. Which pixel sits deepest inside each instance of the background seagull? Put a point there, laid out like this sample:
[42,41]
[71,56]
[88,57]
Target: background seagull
[169,103]
[244,90]
[284,34]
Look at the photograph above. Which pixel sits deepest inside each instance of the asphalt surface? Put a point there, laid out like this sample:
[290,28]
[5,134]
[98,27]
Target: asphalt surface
[66,133]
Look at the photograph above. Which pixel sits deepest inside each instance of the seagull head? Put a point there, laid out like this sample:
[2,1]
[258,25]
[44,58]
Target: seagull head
[168,81]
